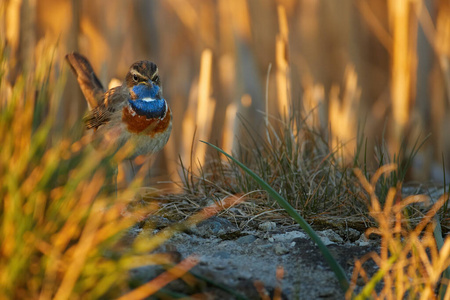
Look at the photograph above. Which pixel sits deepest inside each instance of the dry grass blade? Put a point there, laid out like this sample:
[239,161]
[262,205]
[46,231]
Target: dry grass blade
[162,280]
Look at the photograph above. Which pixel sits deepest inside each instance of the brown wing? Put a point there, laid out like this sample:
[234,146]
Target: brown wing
[102,113]
[98,116]
[89,83]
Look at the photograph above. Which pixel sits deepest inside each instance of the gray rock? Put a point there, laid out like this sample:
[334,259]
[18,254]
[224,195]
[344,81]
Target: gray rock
[222,254]
[239,262]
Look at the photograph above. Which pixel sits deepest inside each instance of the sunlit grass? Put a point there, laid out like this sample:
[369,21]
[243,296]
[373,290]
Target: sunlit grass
[412,259]
[52,230]
[60,220]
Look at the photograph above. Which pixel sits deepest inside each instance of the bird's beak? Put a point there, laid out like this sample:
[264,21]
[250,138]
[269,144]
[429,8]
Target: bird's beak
[156,88]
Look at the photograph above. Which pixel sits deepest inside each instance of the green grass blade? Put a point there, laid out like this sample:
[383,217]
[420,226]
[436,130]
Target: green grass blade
[370,286]
[334,265]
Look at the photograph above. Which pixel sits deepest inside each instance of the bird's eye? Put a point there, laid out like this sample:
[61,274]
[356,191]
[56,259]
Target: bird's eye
[135,78]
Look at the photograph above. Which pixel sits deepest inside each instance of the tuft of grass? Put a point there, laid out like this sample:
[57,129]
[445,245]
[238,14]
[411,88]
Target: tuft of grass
[294,159]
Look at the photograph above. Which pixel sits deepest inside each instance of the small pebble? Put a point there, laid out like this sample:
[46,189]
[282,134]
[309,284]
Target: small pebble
[280,249]
[247,239]
[244,275]
[362,241]
[360,281]
[331,236]
[220,266]
[350,234]
[267,226]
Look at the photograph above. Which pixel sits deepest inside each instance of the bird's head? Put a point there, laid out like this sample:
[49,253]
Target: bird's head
[145,89]
[143,79]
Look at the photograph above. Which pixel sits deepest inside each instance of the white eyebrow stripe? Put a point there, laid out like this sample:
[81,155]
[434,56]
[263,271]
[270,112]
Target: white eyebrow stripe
[135,72]
[155,74]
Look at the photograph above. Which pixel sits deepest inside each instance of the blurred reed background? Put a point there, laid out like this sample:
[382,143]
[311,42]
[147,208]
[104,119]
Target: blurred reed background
[382,66]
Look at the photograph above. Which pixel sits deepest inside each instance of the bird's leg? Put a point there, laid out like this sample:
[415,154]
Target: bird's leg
[132,167]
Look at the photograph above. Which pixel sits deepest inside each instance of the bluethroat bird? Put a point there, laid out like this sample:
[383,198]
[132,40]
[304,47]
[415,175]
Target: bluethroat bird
[134,113]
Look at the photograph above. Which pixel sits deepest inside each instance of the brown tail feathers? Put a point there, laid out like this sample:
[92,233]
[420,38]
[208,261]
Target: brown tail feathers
[89,83]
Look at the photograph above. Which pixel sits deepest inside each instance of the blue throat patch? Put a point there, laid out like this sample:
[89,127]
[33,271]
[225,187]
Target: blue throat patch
[152,107]
[145,91]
